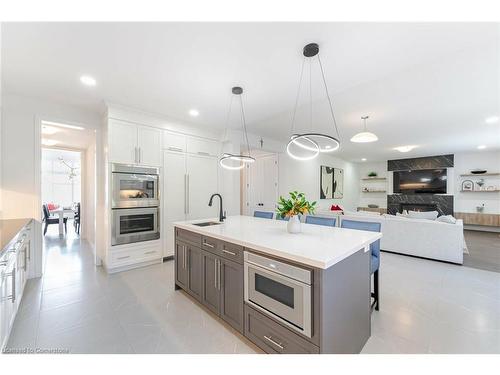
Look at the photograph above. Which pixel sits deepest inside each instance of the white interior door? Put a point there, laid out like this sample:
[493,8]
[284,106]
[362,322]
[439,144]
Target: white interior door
[173,196]
[202,183]
[262,184]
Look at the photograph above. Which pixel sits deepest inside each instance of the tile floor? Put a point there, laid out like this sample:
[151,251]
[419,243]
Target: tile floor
[426,307]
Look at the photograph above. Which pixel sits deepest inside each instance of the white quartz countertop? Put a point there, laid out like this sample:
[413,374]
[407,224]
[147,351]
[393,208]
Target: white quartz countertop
[317,246]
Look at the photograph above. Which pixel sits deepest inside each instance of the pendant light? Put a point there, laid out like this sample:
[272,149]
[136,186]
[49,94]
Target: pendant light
[237,161]
[365,136]
[307,146]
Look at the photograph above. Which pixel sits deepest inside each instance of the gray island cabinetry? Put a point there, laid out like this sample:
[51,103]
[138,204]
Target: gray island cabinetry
[281,300]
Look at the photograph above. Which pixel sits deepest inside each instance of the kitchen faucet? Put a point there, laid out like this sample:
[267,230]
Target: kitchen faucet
[222,215]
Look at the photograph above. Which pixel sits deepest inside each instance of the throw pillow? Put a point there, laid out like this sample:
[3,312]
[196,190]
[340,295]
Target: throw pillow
[447,219]
[428,215]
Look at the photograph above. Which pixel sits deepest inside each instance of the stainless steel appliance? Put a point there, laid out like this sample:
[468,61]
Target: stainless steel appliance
[134,225]
[134,186]
[280,290]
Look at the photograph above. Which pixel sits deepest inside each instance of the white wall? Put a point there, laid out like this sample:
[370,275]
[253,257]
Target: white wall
[464,163]
[20,119]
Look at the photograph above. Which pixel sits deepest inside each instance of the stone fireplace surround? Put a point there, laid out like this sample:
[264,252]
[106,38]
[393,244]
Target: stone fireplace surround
[442,203]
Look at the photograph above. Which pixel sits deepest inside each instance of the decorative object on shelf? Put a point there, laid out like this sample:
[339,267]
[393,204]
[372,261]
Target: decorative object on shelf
[480,183]
[336,207]
[480,208]
[372,174]
[237,161]
[293,207]
[331,183]
[365,136]
[373,206]
[308,145]
[490,188]
[478,171]
[467,185]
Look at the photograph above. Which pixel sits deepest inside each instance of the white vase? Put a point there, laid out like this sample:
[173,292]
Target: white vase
[293,225]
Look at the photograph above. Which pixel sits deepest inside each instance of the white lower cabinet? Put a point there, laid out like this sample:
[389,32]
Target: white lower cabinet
[15,267]
[188,182]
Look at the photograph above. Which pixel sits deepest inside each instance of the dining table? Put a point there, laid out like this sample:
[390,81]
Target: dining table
[60,211]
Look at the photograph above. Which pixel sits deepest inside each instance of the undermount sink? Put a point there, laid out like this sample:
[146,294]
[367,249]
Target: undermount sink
[207,223]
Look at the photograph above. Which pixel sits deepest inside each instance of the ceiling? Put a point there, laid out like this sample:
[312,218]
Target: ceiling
[425,84]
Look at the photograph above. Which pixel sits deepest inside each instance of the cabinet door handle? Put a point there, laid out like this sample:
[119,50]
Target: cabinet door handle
[270,339]
[218,273]
[184,260]
[150,252]
[187,193]
[215,274]
[125,257]
[12,274]
[208,245]
[29,250]
[203,153]
[175,149]
[229,252]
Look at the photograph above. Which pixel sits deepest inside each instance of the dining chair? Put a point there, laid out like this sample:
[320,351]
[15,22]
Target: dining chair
[318,220]
[375,253]
[76,220]
[263,214]
[49,220]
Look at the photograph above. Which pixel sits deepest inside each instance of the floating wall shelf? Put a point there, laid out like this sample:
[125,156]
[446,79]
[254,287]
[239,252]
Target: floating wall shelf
[480,191]
[479,174]
[374,179]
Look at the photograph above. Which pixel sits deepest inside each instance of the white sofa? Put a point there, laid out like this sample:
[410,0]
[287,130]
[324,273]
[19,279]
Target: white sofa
[418,237]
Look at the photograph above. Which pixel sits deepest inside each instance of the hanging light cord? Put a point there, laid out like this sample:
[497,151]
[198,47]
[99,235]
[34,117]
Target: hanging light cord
[298,94]
[229,113]
[244,125]
[310,96]
[328,96]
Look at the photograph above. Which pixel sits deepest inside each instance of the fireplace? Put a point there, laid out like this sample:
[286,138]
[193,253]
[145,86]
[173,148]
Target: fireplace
[420,207]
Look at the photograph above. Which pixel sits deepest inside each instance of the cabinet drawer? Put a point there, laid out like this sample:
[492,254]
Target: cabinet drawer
[135,255]
[187,236]
[211,244]
[272,337]
[232,251]
[202,146]
[174,141]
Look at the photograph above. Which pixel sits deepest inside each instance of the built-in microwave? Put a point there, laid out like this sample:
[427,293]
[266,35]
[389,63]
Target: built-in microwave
[134,225]
[280,290]
[134,186]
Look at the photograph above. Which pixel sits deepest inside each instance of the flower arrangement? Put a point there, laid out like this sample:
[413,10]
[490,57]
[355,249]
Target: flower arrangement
[295,205]
[372,174]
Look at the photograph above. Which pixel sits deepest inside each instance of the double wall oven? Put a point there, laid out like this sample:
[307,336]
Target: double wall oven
[280,290]
[135,204]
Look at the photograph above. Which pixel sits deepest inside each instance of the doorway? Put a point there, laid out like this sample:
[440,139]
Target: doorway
[259,182]
[67,191]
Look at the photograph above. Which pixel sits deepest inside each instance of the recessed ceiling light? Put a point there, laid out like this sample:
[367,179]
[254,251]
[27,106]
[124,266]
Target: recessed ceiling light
[59,125]
[491,119]
[405,148]
[363,159]
[49,130]
[49,142]
[481,147]
[193,112]
[88,80]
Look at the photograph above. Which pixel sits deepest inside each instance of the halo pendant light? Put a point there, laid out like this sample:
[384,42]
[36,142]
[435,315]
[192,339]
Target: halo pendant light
[365,136]
[307,146]
[236,162]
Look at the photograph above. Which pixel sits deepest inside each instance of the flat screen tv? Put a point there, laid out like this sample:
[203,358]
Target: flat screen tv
[424,181]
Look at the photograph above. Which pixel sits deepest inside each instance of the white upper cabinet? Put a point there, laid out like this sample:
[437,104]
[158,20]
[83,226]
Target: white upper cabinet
[174,141]
[134,144]
[201,146]
[149,146]
[122,142]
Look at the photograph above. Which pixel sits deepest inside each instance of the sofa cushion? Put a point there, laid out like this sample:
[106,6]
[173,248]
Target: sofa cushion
[428,215]
[447,219]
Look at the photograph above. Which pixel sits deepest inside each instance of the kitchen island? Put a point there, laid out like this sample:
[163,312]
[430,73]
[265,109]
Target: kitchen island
[287,293]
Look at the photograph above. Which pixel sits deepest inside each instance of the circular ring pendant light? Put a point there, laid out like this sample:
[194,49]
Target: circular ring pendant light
[307,146]
[236,162]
